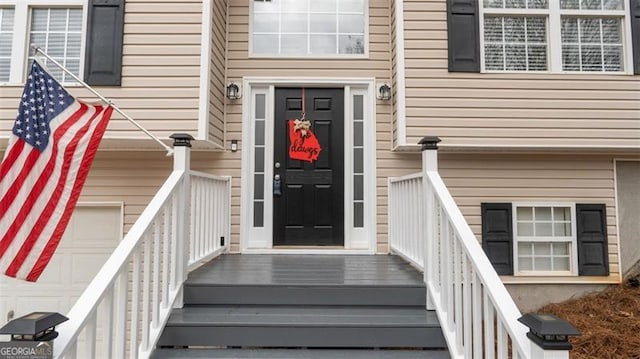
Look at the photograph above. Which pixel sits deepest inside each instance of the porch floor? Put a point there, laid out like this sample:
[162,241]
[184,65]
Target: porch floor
[308,270]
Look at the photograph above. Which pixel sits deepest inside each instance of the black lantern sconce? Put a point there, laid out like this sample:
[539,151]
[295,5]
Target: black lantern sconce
[384,92]
[233,91]
[549,331]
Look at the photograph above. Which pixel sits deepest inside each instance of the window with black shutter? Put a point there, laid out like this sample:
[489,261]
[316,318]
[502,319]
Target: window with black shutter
[546,239]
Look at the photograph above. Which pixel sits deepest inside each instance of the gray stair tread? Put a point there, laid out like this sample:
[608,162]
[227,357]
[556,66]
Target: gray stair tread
[307,270]
[298,354]
[302,316]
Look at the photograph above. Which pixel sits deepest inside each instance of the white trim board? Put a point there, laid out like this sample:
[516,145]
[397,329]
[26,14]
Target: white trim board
[401,104]
[252,239]
[205,69]
[615,201]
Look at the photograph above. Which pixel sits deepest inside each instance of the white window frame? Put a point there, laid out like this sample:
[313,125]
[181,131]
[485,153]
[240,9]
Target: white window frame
[311,56]
[573,247]
[21,29]
[554,39]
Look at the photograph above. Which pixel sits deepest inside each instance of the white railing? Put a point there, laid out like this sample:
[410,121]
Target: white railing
[479,319]
[210,217]
[124,309]
[405,227]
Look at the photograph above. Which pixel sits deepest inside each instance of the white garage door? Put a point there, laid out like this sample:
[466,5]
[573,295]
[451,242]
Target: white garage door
[93,233]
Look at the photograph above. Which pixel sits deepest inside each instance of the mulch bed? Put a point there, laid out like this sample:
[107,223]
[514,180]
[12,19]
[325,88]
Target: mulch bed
[609,322]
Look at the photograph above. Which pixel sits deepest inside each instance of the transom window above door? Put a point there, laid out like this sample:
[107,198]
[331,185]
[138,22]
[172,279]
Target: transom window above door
[309,28]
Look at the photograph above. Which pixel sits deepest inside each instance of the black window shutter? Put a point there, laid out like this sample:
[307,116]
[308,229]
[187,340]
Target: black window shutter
[463,35]
[634,6]
[593,255]
[103,55]
[497,236]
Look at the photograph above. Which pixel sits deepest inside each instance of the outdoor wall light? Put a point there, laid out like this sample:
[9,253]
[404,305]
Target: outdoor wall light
[234,145]
[384,92]
[233,91]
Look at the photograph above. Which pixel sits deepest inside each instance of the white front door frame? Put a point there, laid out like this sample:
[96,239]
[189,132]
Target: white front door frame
[260,239]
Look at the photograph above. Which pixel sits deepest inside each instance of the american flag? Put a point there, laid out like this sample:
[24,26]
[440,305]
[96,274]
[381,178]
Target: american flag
[53,142]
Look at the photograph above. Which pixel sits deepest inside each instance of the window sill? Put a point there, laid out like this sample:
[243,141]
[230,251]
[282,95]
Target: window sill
[578,73]
[65,85]
[309,57]
[611,279]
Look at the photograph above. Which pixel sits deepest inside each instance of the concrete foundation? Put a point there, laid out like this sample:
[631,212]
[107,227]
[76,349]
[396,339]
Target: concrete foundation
[530,297]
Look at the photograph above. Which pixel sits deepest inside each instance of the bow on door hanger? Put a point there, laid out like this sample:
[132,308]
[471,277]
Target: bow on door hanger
[304,145]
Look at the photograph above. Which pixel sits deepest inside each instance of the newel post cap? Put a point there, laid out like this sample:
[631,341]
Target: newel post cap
[36,326]
[429,142]
[181,139]
[549,331]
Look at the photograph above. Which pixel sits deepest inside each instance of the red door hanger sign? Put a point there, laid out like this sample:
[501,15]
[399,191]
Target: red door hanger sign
[304,145]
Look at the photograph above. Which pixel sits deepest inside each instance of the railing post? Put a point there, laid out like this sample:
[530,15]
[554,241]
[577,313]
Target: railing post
[429,163]
[182,162]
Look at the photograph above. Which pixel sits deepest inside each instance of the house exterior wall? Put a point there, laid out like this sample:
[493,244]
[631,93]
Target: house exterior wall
[160,73]
[161,89]
[511,110]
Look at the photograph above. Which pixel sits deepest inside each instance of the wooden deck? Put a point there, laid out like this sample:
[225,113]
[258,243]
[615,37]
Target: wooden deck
[308,270]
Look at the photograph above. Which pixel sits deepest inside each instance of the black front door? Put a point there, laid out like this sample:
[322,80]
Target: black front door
[310,208]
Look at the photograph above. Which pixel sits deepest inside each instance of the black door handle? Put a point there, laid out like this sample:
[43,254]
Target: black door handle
[277,186]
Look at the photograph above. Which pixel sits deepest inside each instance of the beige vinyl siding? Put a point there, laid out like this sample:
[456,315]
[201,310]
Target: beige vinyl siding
[490,109]
[217,72]
[160,72]
[129,177]
[473,179]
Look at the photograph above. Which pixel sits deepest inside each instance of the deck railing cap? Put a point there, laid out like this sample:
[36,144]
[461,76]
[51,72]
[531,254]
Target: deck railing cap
[429,142]
[181,139]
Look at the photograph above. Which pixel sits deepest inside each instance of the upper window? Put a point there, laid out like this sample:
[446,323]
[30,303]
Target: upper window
[56,29]
[6,36]
[544,239]
[309,28]
[542,35]
[58,32]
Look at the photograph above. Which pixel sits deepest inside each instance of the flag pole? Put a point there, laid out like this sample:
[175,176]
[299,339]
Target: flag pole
[107,101]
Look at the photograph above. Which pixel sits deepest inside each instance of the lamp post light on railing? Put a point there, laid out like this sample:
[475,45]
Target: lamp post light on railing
[550,334]
[32,333]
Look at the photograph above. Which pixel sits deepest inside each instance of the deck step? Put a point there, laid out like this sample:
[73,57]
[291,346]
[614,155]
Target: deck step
[339,295]
[298,354]
[292,326]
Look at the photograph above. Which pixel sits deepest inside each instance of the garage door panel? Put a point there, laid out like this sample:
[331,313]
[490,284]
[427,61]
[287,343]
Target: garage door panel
[92,235]
[85,266]
[98,225]
[51,277]
[44,304]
